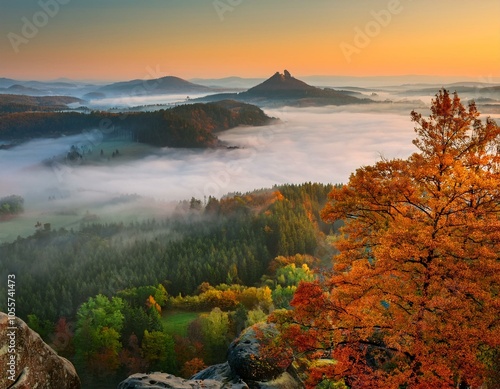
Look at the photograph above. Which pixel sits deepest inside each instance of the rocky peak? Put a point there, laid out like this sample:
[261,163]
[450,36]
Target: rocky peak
[281,82]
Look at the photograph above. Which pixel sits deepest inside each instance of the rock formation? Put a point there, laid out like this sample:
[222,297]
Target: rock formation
[245,369]
[32,363]
[162,380]
[244,357]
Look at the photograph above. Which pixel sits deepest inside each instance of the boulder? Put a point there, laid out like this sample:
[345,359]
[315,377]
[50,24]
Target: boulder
[162,380]
[245,368]
[36,364]
[245,358]
[223,374]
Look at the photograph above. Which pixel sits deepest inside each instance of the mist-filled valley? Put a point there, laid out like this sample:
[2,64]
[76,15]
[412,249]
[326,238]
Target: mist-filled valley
[147,232]
[307,144]
[235,194]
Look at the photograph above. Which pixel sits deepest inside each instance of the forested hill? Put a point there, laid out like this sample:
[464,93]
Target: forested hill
[229,240]
[10,103]
[192,125]
[164,85]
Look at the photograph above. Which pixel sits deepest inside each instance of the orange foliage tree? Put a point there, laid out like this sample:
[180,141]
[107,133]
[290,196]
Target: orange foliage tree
[192,367]
[413,298]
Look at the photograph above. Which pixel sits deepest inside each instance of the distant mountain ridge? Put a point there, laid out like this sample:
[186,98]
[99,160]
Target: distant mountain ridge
[7,82]
[41,88]
[470,90]
[163,85]
[137,87]
[279,89]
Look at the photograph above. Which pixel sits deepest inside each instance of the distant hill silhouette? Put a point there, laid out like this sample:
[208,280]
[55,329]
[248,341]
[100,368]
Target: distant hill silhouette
[464,89]
[42,88]
[281,83]
[10,103]
[17,89]
[283,88]
[164,85]
[6,82]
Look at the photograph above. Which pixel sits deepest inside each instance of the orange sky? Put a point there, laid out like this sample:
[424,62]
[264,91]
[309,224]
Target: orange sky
[122,39]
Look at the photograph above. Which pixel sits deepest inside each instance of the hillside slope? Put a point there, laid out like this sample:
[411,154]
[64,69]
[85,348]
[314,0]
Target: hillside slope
[191,125]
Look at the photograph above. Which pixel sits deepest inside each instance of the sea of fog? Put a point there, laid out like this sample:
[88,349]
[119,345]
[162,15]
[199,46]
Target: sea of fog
[135,101]
[308,144]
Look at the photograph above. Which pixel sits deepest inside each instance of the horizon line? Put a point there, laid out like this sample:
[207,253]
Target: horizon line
[490,80]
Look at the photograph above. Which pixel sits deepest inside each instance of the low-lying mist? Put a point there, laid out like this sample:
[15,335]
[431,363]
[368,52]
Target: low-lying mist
[136,101]
[308,144]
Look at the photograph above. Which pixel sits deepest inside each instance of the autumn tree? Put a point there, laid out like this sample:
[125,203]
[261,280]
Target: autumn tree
[215,331]
[158,349]
[192,367]
[62,338]
[188,351]
[255,316]
[413,298]
[131,356]
[97,335]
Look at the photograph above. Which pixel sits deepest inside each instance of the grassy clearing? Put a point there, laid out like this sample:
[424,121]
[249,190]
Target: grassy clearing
[176,323]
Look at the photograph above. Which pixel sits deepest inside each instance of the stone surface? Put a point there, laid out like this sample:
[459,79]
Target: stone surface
[37,366]
[245,369]
[223,374]
[221,378]
[162,380]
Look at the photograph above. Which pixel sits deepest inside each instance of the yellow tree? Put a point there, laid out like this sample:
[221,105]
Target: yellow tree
[413,299]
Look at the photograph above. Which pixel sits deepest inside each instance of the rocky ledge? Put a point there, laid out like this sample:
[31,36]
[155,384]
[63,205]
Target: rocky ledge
[162,380]
[31,362]
[244,369]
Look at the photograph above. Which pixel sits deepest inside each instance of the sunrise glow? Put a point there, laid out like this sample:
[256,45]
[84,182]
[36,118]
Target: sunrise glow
[123,39]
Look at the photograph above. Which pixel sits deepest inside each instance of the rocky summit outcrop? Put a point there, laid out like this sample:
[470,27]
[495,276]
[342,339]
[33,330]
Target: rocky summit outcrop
[229,380]
[245,369]
[162,380]
[223,374]
[30,362]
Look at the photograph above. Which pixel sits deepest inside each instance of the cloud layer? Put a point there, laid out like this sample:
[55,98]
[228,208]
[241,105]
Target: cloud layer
[309,144]
[316,144]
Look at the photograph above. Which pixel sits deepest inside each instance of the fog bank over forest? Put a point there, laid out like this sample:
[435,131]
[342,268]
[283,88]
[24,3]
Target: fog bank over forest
[309,144]
[316,144]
